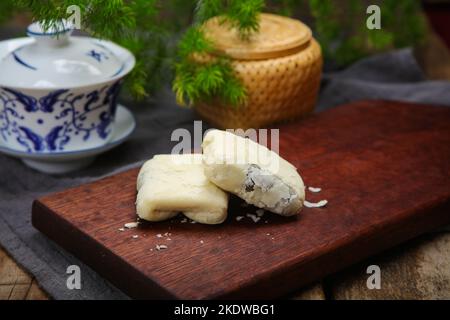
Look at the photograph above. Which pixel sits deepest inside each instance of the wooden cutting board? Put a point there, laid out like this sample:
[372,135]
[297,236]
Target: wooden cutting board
[384,167]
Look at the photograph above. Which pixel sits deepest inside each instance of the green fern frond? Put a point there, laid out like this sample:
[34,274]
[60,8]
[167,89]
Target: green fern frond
[202,81]
[244,15]
[194,41]
[206,9]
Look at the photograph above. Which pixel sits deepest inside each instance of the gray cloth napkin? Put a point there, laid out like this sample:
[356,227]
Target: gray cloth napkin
[391,76]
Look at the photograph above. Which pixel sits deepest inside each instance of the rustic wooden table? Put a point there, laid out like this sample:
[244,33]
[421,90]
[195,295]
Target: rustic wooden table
[419,269]
[15,283]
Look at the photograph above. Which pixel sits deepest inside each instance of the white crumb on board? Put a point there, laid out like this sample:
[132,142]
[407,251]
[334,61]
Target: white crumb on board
[253,217]
[131,225]
[192,221]
[121,229]
[135,236]
[159,235]
[160,247]
[315,190]
[320,204]
[239,218]
[202,242]
[183,220]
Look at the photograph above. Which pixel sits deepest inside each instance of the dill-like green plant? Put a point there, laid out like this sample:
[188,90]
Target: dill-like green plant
[166,35]
[199,80]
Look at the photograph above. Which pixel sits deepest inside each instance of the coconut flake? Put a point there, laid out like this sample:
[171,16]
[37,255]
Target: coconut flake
[160,247]
[253,217]
[159,235]
[239,218]
[135,236]
[260,212]
[319,204]
[315,190]
[121,229]
[131,225]
[183,220]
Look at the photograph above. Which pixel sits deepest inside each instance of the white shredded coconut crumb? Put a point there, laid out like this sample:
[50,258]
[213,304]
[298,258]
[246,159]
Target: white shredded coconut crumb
[121,229]
[260,212]
[273,238]
[159,235]
[131,225]
[166,234]
[267,234]
[319,204]
[266,221]
[184,220]
[168,239]
[239,218]
[192,221]
[201,241]
[151,249]
[312,189]
[161,247]
[253,217]
[135,236]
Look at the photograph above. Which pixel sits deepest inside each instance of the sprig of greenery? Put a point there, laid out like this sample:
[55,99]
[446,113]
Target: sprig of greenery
[197,80]
[244,16]
[149,29]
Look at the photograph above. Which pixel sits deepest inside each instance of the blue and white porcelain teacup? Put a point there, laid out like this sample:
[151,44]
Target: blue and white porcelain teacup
[59,93]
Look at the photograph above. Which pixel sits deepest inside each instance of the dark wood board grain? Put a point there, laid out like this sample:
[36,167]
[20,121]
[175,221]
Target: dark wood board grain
[383,166]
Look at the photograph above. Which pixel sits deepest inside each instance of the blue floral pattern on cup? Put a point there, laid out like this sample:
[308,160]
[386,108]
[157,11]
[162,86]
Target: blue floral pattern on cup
[69,112]
[97,55]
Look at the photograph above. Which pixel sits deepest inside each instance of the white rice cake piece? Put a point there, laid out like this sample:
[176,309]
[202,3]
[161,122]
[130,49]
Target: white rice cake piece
[253,172]
[169,184]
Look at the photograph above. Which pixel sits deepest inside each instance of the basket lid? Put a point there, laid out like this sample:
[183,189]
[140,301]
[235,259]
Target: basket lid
[278,36]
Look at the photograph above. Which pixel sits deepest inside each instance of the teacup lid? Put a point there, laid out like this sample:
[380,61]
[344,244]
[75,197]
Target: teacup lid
[278,36]
[55,59]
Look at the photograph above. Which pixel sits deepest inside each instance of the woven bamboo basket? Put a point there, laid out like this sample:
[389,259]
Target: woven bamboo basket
[280,68]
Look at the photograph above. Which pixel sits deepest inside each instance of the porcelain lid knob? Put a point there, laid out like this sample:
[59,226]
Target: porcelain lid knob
[55,35]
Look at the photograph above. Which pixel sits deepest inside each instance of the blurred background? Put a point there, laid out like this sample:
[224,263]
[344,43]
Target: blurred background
[338,25]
